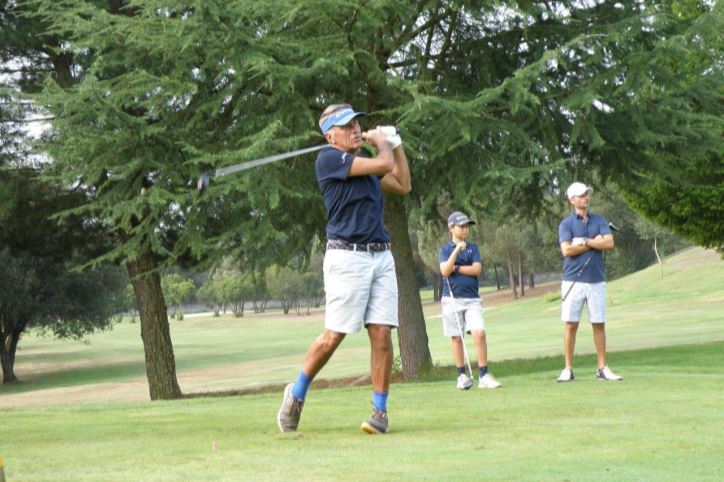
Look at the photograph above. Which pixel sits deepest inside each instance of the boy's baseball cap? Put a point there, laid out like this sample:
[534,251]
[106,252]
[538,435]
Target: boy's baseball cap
[458,219]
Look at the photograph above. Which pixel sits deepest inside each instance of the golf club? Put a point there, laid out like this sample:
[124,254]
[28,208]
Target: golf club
[460,327]
[204,179]
[613,227]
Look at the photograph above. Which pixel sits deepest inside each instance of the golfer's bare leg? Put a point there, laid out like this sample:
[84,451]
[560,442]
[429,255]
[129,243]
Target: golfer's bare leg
[599,340]
[320,351]
[381,356]
[569,342]
[457,351]
[481,347]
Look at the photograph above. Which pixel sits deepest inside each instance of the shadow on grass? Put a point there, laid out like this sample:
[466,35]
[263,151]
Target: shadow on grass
[77,376]
[695,356]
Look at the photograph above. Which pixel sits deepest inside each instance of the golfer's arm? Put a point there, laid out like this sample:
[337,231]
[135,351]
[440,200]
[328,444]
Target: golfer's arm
[448,266]
[603,243]
[472,270]
[398,180]
[569,250]
[380,165]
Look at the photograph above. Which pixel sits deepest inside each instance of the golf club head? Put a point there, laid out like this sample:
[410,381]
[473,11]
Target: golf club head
[613,227]
[203,182]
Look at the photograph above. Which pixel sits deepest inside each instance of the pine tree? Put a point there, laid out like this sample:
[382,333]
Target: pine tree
[499,103]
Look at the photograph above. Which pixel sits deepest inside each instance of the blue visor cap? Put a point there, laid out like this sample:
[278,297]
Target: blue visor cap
[340,118]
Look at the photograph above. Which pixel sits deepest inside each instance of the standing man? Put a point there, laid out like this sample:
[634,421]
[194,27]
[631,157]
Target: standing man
[462,310]
[583,237]
[359,271]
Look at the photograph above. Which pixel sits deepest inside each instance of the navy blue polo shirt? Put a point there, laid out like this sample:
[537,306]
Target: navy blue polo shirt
[463,286]
[573,226]
[354,204]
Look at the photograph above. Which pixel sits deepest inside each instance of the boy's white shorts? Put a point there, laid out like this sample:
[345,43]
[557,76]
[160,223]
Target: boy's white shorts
[469,312]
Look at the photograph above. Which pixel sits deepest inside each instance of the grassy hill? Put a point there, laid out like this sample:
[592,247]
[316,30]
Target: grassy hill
[663,422]
[645,310]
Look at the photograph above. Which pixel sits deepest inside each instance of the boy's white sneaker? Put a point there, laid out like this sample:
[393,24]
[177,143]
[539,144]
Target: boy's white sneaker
[464,382]
[487,381]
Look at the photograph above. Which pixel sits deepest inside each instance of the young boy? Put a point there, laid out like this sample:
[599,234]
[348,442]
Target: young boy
[462,310]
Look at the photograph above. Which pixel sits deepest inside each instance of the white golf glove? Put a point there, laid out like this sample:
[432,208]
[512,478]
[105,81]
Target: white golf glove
[579,242]
[393,138]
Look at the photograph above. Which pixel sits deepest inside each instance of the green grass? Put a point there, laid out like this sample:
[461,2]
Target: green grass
[686,306]
[663,422]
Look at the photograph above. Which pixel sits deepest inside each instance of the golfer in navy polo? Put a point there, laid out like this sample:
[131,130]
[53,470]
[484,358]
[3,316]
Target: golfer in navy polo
[359,272]
[583,237]
[462,310]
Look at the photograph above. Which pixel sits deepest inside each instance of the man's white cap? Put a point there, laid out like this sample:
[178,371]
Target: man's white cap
[577,189]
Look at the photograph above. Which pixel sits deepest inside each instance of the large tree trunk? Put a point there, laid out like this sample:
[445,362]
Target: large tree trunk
[160,361]
[411,334]
[8,347]
[531,280]
[512,279]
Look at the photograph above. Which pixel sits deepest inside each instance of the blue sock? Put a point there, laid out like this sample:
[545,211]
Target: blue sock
[461,370]
[379,400]
[301,385]
[483,371]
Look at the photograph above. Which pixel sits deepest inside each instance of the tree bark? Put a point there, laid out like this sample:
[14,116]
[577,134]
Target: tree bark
[8,347]
[531,280]
[155,333]
[437,286]
[521,279]
[497,278]
[415,354]
[512,279]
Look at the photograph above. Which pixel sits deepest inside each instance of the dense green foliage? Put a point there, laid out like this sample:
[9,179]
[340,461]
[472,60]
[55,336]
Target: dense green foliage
[38,285]
[500,104]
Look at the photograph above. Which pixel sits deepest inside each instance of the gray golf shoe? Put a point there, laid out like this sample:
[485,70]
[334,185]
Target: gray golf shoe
[377,423]
[290,412]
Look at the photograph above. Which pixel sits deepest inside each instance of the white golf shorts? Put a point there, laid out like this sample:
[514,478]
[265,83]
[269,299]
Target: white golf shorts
[592,295]
[360,288]
[467,311]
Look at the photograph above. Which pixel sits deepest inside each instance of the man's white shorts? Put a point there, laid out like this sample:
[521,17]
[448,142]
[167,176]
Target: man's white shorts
[591,294]
[469,312]
[360,288]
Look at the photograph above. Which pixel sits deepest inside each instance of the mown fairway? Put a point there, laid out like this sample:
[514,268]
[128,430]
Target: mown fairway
[686,306]
[663,422]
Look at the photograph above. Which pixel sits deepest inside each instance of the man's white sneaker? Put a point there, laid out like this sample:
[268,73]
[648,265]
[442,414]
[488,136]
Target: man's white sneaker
[566,375]
[605,373]
[464,382]
[487,381]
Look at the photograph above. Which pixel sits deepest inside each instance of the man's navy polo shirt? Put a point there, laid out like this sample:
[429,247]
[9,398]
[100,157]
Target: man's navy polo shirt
[463,286]
[354,204]
[574,227]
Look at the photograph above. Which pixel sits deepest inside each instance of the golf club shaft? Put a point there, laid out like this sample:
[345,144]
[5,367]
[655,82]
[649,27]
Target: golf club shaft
[613,227]
[225,171]
[460,327]
[577,276]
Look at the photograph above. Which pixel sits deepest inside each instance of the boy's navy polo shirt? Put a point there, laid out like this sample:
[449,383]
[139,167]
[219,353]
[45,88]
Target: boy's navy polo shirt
[463,286]
[354,204]
[574,227]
